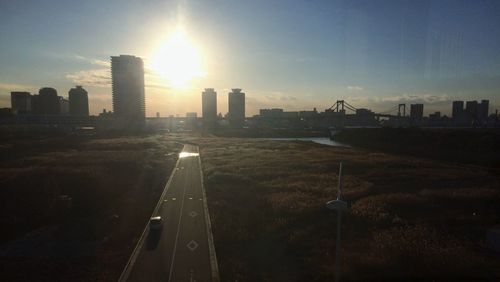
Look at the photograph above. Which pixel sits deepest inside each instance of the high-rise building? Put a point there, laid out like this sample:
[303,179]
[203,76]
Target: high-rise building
[48,101]
[20,102]
[209,107]
[236,101]
[78,101]
[457,109]
[63,106]
[416,111]
[471,109]
[127,74]
[482,111]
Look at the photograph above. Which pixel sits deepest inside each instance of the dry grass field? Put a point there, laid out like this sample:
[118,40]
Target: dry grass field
[113,184]
[409,218]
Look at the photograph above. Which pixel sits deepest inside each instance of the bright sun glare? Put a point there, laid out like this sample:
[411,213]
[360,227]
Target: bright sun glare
[177,60]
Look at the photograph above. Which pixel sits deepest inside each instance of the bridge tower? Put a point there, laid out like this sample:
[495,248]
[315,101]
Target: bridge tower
[339,106]
[399,109]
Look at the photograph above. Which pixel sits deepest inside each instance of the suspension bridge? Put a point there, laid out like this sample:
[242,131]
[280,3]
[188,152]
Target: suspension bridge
[396,111]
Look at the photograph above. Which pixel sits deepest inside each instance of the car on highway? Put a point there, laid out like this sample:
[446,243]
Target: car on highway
[155,223]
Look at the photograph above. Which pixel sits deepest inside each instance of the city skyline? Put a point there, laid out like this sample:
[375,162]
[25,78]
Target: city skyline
[295,56]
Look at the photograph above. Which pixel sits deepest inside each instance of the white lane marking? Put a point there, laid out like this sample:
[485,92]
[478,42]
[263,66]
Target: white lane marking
[190,198]
[193,214]
[191,273]
[173,199]
[200,199]
[166,200]
[192,245]
[178,231]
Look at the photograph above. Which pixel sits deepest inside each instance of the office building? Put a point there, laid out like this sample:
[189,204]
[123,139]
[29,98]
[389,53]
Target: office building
[471,109]
[271,113]
[127,75]
[236,101]
[209,107]
[416,111]
[483,111]
[20,102]
[48,102]
[308,114]
[63,106]
[457,109]
[191,115]
[78,101]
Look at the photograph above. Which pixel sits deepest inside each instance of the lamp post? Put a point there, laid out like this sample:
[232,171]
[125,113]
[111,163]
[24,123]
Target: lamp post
[339,206]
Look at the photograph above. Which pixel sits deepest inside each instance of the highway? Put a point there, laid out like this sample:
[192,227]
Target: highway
[183,249]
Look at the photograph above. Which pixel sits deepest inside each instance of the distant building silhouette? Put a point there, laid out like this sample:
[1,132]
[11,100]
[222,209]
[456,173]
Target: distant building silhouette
[457,109]
[48,102]
[6,113]
[471,108]
[308,114]
[271,113]
[78,101]
[416,112]
[236,101]
[35,105]
[20,102]
[127,73]
[63,106]
[209,107]
[483,111]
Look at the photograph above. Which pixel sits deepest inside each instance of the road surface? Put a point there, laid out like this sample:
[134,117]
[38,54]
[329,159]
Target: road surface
[183,249]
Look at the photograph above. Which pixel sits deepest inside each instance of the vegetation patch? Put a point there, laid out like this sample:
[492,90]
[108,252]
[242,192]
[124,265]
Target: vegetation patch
[409,218]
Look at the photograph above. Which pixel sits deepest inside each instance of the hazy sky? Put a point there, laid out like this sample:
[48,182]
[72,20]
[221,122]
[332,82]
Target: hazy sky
[288,54]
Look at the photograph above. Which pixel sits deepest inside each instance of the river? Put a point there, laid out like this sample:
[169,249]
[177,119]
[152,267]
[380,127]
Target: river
[319,140]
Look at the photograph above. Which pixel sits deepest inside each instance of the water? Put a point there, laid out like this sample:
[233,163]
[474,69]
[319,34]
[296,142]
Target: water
[319,140]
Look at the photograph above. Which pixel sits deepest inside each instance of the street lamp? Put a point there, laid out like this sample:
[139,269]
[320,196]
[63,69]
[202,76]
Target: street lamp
[339,206]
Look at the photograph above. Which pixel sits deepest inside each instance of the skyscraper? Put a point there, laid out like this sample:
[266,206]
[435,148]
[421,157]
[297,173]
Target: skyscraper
[416,111]
[483,111]
[471,109]
[20,102]
[48,101]
[78,101]
[236,101]
[127,74]
[457,109]
[209,107]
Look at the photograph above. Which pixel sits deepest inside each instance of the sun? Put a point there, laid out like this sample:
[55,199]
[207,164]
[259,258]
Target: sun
[177,60]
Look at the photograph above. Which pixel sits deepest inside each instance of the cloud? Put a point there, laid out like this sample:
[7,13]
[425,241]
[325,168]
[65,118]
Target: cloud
[79,58]
[355,88]
[95,77]
[102,78]
[17,87]
[93,61]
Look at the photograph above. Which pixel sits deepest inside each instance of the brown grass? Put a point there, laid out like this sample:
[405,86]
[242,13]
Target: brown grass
[267,203]
[114,184]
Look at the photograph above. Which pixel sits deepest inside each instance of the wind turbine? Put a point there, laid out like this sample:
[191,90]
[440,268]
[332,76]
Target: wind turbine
[339,206]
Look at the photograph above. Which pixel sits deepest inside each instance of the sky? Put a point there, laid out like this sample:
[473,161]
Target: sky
[295,55]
